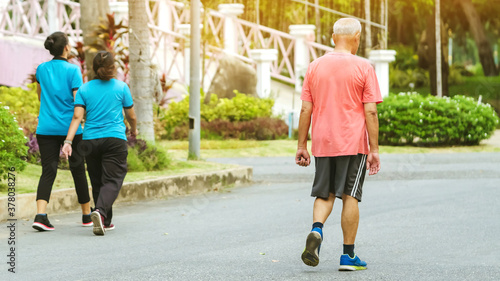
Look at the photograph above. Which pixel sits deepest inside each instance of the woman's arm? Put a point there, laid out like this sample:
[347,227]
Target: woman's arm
[39,90]
[132,120]
[77,119]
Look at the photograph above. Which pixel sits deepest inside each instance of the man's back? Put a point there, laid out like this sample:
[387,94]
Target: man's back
[338,84]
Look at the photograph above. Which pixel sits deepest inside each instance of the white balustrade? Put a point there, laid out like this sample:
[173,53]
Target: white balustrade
[303,34]
[381,59]
[263,59]
[230,12]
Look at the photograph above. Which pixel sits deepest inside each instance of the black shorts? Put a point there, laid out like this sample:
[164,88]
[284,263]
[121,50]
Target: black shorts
[339,175]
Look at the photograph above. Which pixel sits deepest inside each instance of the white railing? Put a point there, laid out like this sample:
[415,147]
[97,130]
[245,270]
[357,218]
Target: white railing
[28,18]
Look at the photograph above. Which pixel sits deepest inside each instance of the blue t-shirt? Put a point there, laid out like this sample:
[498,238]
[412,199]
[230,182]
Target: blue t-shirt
[104,102]
[58,79]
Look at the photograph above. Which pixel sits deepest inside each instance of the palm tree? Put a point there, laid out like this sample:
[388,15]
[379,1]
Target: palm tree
[92,12]
[140,68]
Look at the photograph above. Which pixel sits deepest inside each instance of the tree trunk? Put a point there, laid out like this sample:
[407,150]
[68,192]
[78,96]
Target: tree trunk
[482,43]
[92,12]
[427,54]
[140,68]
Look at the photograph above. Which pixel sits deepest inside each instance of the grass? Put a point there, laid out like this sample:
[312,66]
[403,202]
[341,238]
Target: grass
[250,148]
[27,180]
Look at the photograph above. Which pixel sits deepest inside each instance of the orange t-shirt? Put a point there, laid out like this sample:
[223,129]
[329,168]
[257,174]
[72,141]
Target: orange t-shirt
[337,85]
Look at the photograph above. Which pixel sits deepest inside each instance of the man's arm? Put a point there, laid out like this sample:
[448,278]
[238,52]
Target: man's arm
[373,159]
[302,157]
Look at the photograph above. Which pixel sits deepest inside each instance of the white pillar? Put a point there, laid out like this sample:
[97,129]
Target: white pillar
[302,33]
[120,9]
[381,59]
[52,17]
[185,29]
[230,12]
[165,15]
[263,58]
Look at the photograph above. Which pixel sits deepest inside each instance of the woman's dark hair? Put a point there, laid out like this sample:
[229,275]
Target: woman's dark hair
[104,66]
[55,43]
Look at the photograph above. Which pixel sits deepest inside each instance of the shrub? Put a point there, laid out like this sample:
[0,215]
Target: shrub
[143,156]
[239,108]
[12,148]
[402,78]
[262,128]
[34,156]
[430,121]
[23,103]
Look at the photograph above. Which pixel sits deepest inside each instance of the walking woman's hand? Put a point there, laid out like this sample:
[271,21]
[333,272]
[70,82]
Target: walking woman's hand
[134,133]
[67,150]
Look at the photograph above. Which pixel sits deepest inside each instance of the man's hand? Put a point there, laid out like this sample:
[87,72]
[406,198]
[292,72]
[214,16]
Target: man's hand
[373,163]
[67,150]
[302,157]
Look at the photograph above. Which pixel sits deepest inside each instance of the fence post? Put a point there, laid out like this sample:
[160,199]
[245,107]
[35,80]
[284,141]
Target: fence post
[165,15]
[263,59]
[3,6]
[230,12]
[52,17]
[120,9]
[302,33]
[381,59]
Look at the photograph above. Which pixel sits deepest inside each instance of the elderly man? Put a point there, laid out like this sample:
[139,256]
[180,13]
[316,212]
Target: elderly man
[340,95]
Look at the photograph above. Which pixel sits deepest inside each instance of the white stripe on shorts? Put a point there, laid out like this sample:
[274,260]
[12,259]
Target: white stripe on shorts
[358,176]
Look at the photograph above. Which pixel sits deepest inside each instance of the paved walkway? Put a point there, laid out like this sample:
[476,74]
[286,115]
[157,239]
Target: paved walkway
[424,217]
[494,140]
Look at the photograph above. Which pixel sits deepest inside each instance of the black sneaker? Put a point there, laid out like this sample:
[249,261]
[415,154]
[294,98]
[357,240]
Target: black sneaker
[98,221]
[42,223]
[86,220]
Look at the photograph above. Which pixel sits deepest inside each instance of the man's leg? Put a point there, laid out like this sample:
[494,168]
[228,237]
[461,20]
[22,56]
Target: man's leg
[323,208]
[349,222]
[350,219]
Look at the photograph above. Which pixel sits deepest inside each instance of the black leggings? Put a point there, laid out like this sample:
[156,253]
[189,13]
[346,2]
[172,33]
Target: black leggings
[107,167]
[50,147]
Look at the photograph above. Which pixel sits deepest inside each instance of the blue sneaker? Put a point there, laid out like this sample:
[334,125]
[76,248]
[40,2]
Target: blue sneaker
[348,264]
[310,256]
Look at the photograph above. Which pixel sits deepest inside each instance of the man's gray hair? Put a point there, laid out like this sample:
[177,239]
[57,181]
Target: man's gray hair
[346,26]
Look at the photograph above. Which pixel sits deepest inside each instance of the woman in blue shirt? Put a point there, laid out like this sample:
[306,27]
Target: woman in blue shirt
[58,81]
[104,139]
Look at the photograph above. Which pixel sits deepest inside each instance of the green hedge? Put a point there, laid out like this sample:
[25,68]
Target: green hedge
[12,148]
[173,121]
[411,119]
[23,103]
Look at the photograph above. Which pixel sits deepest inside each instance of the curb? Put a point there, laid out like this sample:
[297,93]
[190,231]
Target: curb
[65,200]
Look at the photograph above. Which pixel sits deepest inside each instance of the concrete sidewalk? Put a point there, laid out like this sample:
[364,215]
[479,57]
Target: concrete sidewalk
[494,140]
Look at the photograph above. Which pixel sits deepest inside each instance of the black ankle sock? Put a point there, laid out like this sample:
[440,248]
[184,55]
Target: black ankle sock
[349,249]
[318,224]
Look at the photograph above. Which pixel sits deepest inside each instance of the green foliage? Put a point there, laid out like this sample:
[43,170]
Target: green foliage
[240,108]
[12,148]
[406,57]
[404,78]
[455,77]
[432,121]
[23,104]
[144,156]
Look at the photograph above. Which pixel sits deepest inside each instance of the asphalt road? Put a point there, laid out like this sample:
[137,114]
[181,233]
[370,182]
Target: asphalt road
[424,217]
